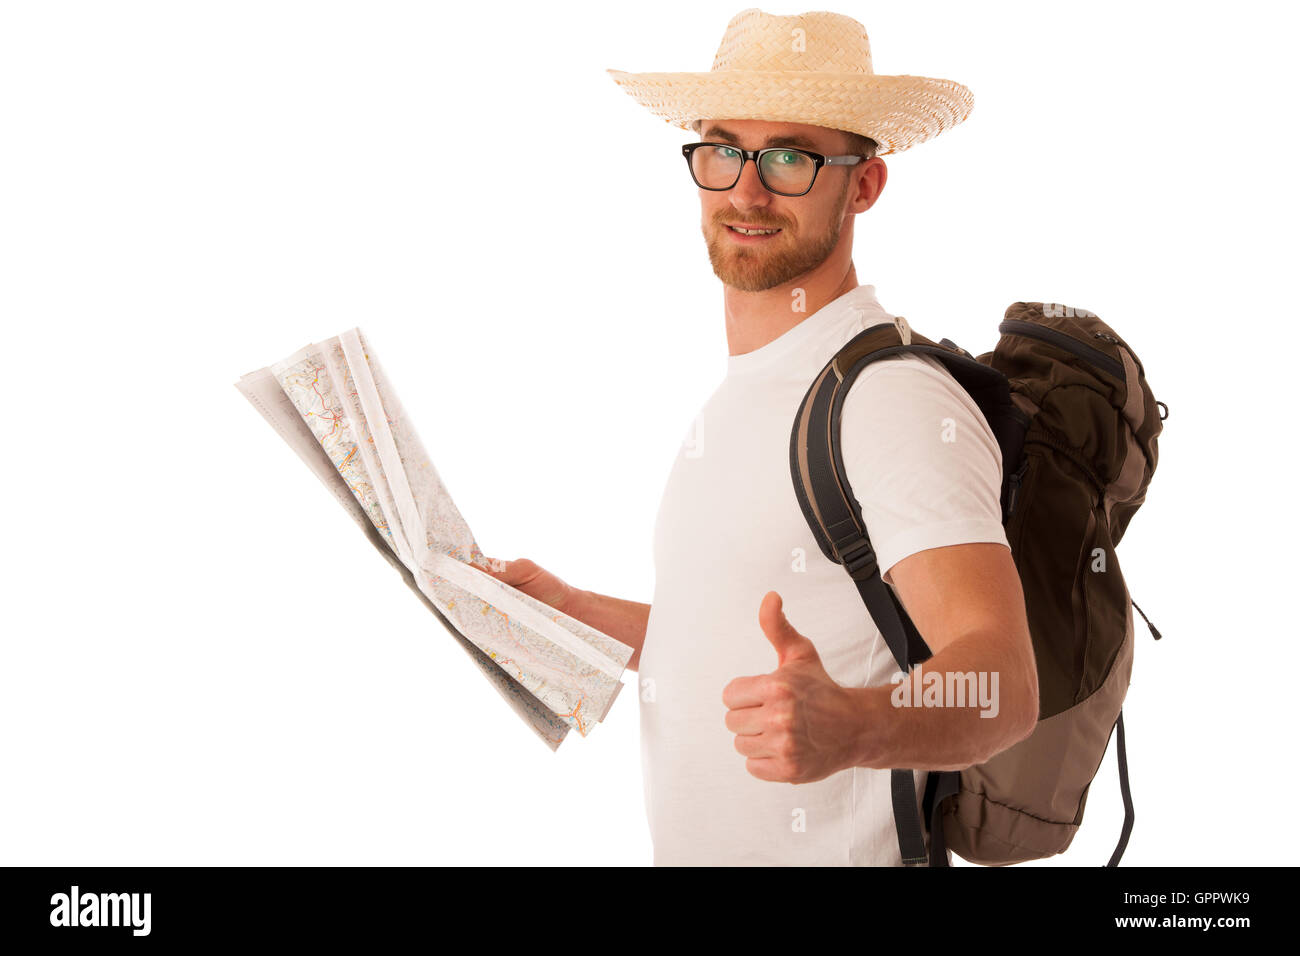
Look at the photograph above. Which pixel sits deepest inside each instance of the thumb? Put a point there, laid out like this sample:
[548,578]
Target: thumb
[507,572]
[789,643]
[491,565]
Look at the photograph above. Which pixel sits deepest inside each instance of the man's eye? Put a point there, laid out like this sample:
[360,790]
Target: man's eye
[789,159]
[728,153]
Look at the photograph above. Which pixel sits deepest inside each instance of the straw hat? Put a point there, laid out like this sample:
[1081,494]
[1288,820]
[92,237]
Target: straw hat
[812,68]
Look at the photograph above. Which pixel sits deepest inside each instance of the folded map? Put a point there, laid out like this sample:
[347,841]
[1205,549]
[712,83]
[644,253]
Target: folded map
[333,405]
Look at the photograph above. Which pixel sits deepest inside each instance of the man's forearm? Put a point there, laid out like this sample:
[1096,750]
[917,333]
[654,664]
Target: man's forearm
[622,620]
[952,736]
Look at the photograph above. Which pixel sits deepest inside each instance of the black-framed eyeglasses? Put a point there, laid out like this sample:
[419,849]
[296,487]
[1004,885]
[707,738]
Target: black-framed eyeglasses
[783,170]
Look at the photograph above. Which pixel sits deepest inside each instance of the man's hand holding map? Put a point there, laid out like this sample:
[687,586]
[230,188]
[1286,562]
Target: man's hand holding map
[333,405]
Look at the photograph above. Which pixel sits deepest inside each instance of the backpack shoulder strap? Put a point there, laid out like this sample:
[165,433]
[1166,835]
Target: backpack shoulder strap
[831,509]
[817,464]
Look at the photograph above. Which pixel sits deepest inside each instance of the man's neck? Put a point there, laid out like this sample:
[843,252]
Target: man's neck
[757,318]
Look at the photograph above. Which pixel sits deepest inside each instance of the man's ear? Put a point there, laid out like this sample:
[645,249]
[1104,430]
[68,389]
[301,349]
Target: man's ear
[875,168]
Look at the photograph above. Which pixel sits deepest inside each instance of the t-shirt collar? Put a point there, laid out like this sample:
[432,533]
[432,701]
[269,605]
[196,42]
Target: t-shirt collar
[854,304]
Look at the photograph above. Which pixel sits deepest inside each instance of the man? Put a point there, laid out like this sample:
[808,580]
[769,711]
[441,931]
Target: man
[768,716]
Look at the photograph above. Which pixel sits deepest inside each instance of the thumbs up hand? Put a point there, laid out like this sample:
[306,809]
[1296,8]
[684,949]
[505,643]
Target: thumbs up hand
[795,725]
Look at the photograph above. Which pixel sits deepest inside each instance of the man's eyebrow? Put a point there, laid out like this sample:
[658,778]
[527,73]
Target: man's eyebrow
[801,142]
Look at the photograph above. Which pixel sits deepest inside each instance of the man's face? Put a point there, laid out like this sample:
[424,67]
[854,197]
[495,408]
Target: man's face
[808,227]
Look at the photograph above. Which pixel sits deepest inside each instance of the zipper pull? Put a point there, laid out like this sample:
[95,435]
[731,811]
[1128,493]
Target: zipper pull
[1154,632]
[1013,486]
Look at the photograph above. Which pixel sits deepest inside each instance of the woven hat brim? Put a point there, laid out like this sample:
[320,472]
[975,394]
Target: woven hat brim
[898,111]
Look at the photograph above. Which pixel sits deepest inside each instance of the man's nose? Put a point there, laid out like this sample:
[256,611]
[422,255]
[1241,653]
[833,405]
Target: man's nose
[749,191]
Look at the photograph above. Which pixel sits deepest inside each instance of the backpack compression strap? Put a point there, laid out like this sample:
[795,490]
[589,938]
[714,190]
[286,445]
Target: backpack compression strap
[1122,758]
[833,515]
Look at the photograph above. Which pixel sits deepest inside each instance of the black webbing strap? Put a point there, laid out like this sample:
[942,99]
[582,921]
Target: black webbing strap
[896,627]
[941,785]
[907,818]
[1122,756]
[907,646]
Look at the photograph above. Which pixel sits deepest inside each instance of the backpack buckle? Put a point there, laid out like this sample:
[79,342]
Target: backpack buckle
[858,558]
[904,330]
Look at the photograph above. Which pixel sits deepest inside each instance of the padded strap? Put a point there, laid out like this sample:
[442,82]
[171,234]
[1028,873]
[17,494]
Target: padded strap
[827,502]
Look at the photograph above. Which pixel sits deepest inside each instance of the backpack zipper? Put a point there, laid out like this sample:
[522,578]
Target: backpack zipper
[1068,342]
[1014,481]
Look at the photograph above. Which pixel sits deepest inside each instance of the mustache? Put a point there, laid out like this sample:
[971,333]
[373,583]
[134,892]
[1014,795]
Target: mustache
[759,222]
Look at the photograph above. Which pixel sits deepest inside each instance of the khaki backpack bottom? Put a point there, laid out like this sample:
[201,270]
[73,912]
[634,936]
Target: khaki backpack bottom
[1048,773]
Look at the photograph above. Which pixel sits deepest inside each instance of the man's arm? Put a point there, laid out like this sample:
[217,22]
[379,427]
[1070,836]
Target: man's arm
[797,725]
[622,620]
[968,605]
[926,470]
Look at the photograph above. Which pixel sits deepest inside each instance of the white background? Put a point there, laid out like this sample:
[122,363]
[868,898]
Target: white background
[204,662]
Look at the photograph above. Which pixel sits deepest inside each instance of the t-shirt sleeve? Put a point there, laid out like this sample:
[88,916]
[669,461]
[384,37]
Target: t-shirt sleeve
[923,463]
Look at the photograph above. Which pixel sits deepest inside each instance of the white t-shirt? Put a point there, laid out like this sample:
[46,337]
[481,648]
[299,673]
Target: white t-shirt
[729,529]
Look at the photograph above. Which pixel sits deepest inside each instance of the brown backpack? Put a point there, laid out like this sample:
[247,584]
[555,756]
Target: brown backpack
[1077,425]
